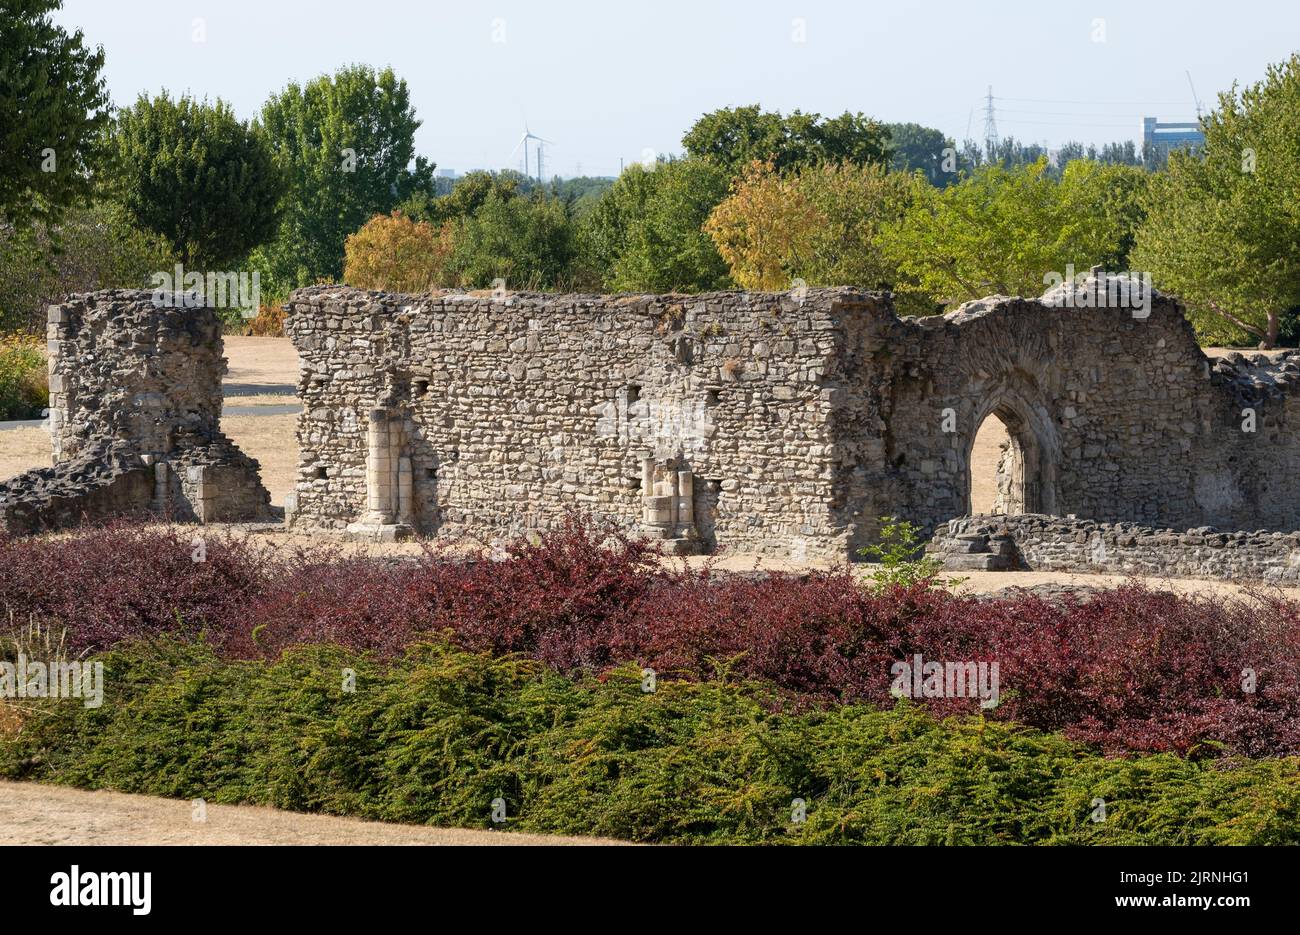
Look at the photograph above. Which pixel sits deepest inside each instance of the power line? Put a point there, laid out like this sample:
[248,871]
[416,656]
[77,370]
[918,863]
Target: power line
[1066,123]
[1066,113]
[1049,100]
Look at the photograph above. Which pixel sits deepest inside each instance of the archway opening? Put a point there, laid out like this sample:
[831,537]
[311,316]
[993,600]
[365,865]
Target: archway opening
[996,469]
[1007,466]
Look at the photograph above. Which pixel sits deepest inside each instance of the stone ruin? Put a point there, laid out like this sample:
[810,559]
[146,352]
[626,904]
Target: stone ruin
[134,420]
[780,424]
[773,423]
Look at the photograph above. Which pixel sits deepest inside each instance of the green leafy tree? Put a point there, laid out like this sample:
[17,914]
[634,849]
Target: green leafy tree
[1223,227]
[95,246]
[347,143]
[1001,231]
[53,109]
[733,138]
[914,148]
[528,241]
[469,194]
[198,176]
[646,233]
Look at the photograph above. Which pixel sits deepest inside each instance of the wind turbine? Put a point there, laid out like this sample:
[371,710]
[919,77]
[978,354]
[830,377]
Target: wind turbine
[523,141]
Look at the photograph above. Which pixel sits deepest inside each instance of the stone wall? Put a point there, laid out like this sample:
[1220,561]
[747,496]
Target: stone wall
[1113,417]
[135,407]
[707,418]
[794,423]
[1053,543]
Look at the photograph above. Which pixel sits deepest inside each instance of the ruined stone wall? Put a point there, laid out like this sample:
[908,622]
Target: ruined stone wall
[516,411]
[1117,418]
[795,424]
[135,407]
[1053,543]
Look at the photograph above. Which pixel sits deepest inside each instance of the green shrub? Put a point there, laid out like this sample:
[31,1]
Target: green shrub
[897,553]
[435,738]
[92,247]
[24,381]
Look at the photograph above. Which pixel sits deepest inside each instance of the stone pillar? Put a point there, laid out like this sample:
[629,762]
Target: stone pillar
[390,501]
[379,469]
[405,492]
[685,498]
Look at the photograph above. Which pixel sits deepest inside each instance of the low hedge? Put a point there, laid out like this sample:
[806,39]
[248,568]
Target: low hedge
[1129,670]
[435,736]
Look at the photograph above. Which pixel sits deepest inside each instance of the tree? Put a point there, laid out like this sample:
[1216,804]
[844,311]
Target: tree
[645,234]
[732,138]
[765,229]
[527,241]
[916,148]
[1222,226]
[94,246]
[53,109]
[821,226]
[347,143]
[1001,231]
[1117,192]
[465,198]
[395,254]
[193,173]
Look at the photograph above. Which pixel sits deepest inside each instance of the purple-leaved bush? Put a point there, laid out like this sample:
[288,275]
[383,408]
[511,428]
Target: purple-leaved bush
[1130,669]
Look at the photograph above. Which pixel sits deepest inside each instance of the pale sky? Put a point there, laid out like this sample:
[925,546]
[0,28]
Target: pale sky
[606,81]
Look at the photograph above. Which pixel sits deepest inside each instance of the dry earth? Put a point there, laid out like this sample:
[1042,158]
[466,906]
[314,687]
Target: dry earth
[31,813]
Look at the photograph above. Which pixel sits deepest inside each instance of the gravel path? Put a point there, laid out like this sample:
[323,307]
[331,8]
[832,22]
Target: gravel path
[32,813]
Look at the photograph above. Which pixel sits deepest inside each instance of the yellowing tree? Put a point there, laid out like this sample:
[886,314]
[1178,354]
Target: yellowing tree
[764,228]
[395,254]
[821,226]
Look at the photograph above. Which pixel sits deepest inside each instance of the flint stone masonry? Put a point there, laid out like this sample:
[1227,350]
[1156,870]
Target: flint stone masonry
[1053,543]
[796,423]
[135,407]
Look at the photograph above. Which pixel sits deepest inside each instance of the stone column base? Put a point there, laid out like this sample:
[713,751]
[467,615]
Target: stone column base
[379,532]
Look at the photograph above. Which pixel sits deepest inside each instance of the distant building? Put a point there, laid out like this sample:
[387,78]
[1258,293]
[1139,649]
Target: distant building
[1167,136]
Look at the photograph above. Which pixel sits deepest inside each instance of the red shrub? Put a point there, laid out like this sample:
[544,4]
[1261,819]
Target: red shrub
[1130,669]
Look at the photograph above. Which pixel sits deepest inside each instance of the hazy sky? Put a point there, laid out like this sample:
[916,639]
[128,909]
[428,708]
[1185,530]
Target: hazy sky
[611,80]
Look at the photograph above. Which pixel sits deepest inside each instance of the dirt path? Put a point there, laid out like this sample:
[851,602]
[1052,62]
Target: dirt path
[31,813]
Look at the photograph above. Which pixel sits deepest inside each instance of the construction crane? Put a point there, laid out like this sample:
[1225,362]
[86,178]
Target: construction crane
[1196,99]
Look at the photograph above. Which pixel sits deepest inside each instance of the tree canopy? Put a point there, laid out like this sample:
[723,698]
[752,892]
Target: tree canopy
[193,173]
[1223,227]
[53,110]
[645,234]
[1001,231]
[347,144]
[732,138]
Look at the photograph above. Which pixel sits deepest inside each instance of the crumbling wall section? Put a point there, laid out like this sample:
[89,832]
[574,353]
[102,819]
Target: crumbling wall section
[135,408]
[1054,543]
[1118,414]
